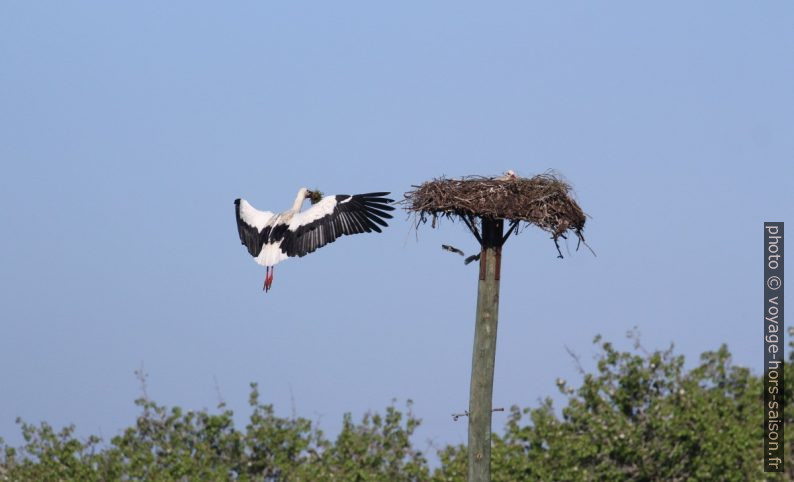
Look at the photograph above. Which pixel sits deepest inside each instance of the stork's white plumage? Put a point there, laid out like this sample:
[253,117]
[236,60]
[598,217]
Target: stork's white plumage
[271,238]
[508,175]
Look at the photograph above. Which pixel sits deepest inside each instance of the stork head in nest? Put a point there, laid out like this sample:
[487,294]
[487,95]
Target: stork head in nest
[314,195]
[509,175]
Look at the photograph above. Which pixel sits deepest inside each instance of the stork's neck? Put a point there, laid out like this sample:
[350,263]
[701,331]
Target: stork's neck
[296,206]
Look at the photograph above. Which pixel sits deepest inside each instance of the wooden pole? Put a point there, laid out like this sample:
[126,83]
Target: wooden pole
[484,355]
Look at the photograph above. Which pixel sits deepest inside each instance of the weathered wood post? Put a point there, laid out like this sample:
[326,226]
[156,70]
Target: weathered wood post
[484,353]
[483,204]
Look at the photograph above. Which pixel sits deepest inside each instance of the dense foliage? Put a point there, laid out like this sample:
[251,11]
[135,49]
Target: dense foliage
[640,416]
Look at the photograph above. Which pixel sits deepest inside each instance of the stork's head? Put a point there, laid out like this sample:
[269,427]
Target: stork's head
[314,195]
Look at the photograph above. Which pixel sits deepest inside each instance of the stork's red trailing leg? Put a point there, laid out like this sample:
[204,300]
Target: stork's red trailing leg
[266,285]
[269,278]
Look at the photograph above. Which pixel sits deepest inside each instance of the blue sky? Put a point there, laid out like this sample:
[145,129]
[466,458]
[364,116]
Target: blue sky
[127,130]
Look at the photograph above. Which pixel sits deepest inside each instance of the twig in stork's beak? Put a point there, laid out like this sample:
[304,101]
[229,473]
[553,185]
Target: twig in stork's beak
[314,195]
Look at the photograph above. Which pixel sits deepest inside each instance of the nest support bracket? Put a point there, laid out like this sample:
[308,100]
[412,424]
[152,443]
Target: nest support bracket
[469,220]
[485,239]
[513,229]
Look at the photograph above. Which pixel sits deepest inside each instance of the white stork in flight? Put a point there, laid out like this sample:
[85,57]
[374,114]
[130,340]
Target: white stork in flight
[271,238]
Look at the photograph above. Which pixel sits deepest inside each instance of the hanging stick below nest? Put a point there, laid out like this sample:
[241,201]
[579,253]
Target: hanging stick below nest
[582,241]
[557,244]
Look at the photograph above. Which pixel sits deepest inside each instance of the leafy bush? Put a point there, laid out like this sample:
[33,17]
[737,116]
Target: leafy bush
[639,416]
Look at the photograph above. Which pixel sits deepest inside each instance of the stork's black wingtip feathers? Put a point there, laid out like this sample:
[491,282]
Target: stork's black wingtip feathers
[237,202]
[378,197]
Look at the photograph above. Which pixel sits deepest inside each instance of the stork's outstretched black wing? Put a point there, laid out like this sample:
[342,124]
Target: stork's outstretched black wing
[252,225]
[335,216]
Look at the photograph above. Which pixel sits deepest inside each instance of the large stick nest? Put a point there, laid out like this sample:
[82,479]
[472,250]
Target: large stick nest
[544,201]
